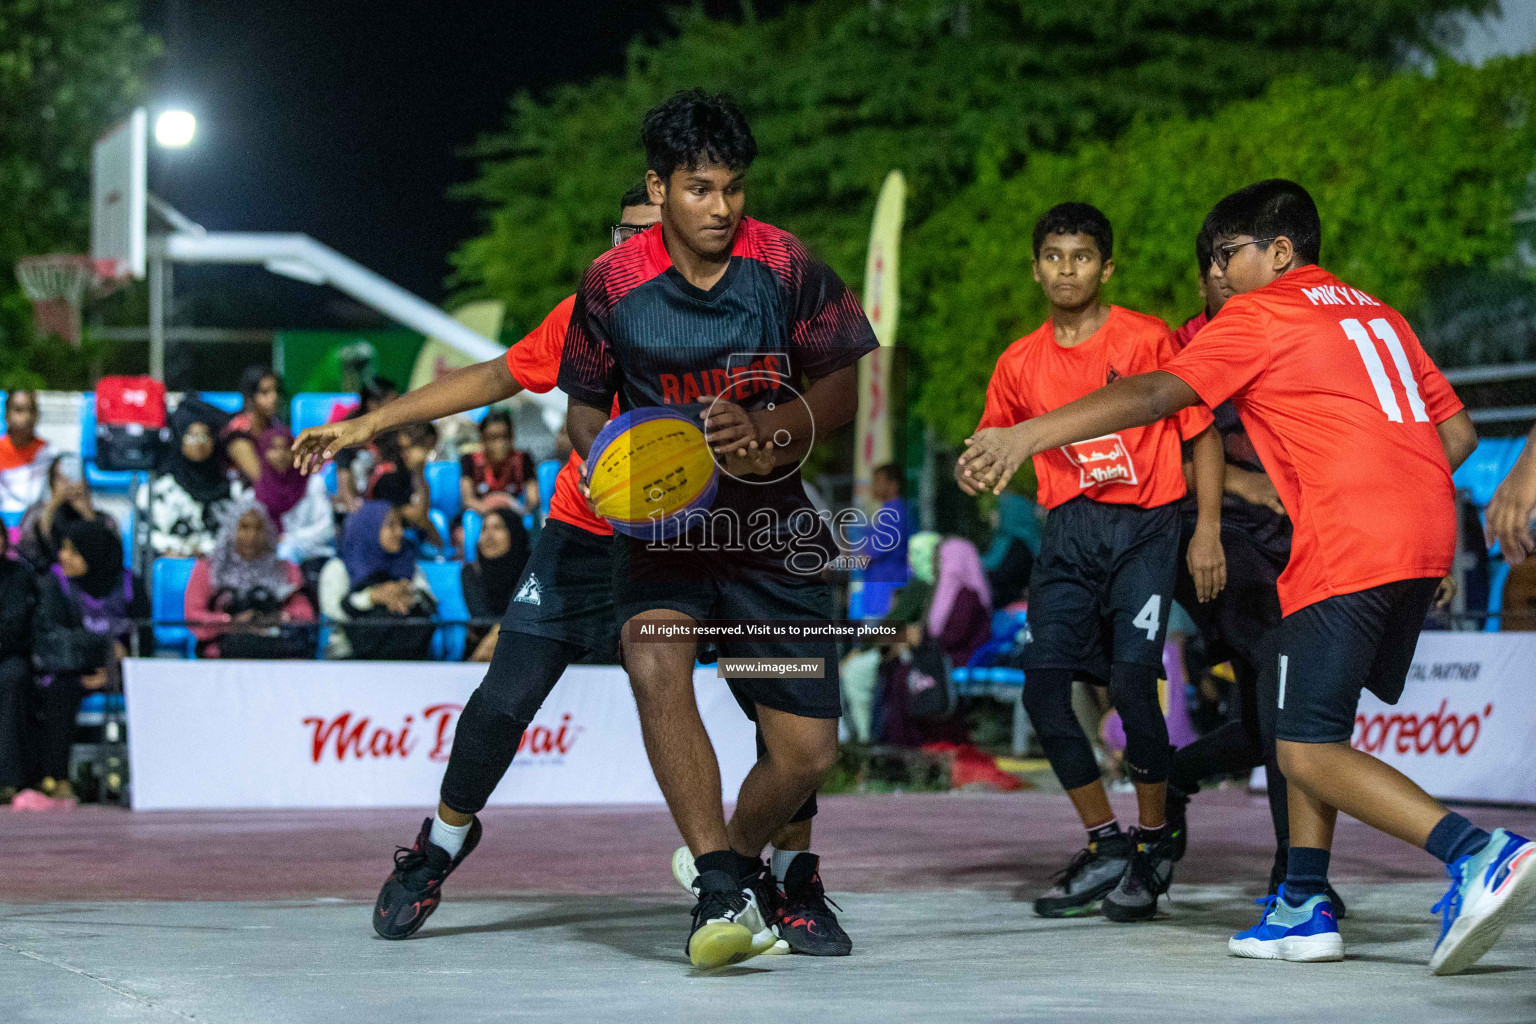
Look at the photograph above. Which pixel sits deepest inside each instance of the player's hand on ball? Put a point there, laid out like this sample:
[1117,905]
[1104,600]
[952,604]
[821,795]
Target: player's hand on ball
[1510,511]
[1207,563]
[993,455]
[313,447]
[727,427]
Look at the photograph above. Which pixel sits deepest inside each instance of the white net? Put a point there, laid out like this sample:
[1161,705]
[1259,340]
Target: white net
[57,285]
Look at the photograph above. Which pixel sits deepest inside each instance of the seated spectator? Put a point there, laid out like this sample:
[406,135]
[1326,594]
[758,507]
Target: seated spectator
[374,584]
[309,528]
[355,465]
[1015,543]
[243,433]
[245,583]
[885,542]
[188,500]
[18,601]
[24,457]
[84,622]
[281,486]
[498,475]
[960,615]
[403,482]
[67,501]
[490,580]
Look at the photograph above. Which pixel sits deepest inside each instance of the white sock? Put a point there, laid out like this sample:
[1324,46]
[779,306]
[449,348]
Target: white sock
[449,837]
[779,862]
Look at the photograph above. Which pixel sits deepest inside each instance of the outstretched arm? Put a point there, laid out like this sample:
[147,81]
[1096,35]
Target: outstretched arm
[994,453]
[460,390]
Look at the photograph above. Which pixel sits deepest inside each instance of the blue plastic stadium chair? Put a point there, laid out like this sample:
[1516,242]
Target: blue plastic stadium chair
[1498,576]
[112,481]
[441,522]
[443,578]
[128,525]
[443,487]
[328,474]
[476,415]
[88,426]
[12,520]
[226,401]
[547,471]
[1481,473]
[472,524]
[314,408]
[167,599]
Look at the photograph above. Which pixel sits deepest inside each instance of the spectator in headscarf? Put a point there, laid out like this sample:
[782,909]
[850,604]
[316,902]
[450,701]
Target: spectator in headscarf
[18,601]
[244,582]
[960,614]
[491,578]
[68,501]
[187,501]
[377,581]
[1015,543]
[81,631]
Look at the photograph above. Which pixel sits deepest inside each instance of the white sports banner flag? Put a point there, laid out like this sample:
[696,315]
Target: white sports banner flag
[227,734]
[1465,726]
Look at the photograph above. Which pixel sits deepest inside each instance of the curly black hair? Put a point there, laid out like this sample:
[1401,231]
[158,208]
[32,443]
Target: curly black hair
[694,128]
[635,195]
[1076,219]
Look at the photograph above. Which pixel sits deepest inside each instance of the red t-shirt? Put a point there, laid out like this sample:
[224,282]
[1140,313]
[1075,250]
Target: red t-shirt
[535,364]
[1140,466]
[1341,402]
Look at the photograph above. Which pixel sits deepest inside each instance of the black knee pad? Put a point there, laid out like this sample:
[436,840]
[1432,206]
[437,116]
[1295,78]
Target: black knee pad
[1048,700]
[1133,691]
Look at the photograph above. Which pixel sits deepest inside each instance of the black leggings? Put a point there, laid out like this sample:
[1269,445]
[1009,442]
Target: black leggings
[15,695]
[57,705]
[1241,746]
[1133,692]
[522,672]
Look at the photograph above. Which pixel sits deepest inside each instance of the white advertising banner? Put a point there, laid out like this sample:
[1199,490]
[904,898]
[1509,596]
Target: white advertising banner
[227,734]
[1465,726]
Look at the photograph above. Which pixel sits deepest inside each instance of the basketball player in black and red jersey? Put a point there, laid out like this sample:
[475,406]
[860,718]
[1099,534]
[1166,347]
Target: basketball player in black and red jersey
[727,319]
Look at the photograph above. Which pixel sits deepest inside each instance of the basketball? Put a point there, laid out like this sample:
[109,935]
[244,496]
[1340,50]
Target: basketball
[648,468]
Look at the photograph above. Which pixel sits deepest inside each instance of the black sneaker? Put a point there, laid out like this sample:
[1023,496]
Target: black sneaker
[1091,874]
[414,889]
[728,924]
[1147,876]
[803,918]
[1176,808]
[1277,876]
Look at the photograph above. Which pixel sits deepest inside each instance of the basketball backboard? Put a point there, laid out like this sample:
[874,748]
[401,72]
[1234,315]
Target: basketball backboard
[119,182]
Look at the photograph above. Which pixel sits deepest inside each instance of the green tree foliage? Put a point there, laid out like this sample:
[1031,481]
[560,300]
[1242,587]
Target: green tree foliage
[68,70]
[1413,174]
[842,91]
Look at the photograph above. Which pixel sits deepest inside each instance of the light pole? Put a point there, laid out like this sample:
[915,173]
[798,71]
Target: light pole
[174,129]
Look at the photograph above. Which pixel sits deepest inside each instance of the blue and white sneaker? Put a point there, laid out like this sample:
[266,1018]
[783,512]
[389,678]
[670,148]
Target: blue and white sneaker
[1487,889]
[1305,934]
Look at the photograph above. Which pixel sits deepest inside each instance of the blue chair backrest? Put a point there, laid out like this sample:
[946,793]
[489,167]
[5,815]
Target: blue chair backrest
[227,401]
[112,481]
[314,408]
[88,426]
[472,524]
[12,519]
[1485,468]
[328,474]
[547,471]
[443,486]
[167,601]
[128,525]
[447,586]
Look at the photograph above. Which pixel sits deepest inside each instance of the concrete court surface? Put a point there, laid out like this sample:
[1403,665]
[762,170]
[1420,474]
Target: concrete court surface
[570,914]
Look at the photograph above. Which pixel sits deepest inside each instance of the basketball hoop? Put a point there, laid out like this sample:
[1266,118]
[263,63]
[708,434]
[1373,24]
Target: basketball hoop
[58,286]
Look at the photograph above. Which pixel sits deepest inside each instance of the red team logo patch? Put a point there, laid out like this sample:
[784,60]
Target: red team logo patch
[1103,460]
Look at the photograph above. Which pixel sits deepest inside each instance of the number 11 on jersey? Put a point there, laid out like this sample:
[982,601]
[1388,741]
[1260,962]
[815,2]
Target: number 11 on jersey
[1356,333]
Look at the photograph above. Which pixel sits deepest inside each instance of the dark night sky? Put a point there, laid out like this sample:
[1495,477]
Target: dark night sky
[348,121]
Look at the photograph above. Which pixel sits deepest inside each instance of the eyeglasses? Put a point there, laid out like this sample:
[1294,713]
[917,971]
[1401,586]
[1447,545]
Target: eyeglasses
[624,232]
[1222,254]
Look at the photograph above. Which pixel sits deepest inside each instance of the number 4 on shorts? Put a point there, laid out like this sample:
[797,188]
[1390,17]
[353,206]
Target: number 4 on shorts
[1147,618]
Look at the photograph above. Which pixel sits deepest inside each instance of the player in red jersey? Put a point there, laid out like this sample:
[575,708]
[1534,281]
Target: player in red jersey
[1102,587]
[1360,433]
[561,612]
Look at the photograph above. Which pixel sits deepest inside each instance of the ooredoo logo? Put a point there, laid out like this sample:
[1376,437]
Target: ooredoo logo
[1436,733]
[355,737]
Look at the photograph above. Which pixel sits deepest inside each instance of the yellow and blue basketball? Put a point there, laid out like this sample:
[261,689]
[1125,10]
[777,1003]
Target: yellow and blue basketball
[648,468]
